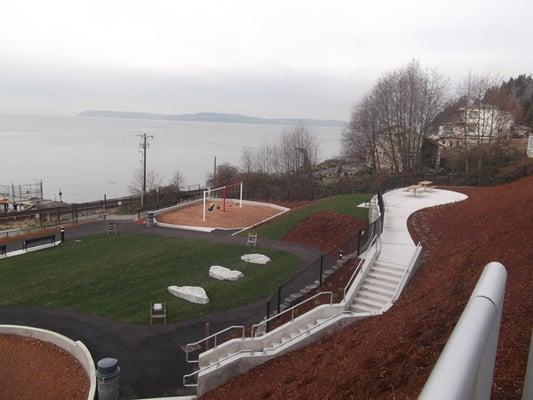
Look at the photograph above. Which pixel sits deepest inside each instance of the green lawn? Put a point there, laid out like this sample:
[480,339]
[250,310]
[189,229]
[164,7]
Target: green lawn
[118,276]
[344,204]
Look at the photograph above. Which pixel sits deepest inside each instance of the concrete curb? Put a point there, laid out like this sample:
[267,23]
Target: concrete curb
[76,348]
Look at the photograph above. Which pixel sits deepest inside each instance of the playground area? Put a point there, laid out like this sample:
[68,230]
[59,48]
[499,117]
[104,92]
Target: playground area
[232,216]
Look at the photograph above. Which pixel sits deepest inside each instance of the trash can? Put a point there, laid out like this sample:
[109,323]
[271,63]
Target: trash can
[150,219]
[107,377]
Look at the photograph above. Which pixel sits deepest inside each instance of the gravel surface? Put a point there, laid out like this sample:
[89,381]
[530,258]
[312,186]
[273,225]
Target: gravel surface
[31,369]
[233,217]
[391,356]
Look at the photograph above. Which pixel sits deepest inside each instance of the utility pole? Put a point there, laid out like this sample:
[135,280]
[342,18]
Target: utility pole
[142,148]
[215,173]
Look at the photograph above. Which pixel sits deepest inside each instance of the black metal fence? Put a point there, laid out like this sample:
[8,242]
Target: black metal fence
[313,276]
[71,213]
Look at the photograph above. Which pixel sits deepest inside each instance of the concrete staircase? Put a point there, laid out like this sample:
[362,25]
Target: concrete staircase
[378,288]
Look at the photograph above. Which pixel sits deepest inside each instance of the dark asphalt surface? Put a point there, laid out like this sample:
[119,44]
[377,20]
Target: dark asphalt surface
[150,356]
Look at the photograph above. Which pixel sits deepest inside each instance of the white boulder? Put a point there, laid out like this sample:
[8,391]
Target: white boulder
[194,294]
[256,258]
[225,274]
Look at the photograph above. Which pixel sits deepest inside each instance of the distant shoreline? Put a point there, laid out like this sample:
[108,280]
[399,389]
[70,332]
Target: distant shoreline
[213,117]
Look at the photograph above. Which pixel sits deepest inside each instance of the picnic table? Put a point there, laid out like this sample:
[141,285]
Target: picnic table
[425,184]
[413,188]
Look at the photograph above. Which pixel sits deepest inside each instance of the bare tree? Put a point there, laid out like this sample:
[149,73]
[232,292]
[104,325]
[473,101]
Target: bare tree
[226,175]
[389,125]
[177,180]
[153,180]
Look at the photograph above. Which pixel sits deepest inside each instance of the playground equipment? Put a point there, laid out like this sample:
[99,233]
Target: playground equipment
[226,192]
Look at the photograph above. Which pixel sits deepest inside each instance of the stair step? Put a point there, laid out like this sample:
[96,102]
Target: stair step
[390,265]
[376,289]
[382,284]
[361,308]
[385,278]
[387,271]
[369,302]
[373,295]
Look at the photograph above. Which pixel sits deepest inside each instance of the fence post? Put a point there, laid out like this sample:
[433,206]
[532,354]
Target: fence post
[359,243]
[321,268]
[279,299]
[268,316]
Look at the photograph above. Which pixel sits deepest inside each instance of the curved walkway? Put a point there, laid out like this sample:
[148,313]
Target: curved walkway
[150,356]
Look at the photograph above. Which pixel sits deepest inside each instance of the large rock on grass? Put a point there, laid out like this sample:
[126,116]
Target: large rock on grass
[256,258]
[225,274]
[194,294]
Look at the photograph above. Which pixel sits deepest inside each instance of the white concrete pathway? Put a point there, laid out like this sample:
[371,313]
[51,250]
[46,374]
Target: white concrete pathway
[397,247]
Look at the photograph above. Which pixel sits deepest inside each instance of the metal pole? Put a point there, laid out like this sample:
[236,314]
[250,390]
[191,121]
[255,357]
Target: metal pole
[215,173]
[321,268]
[240,205]
[203,219]
[268,316]
[144,171]
[279,299]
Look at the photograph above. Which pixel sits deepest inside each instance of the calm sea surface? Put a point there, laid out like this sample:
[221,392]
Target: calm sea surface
[89,157]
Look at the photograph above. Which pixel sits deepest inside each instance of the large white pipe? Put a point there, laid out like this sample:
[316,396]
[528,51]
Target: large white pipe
[465,367]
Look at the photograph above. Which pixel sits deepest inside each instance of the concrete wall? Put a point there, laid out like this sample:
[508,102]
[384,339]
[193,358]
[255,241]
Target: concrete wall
[76,348]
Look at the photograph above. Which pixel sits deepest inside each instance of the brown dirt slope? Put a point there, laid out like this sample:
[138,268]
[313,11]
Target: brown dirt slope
[324,230]
[391,356]
[32,369]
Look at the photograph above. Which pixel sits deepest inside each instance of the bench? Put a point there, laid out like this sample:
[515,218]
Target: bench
[252,239]
[413,188]
[28,243]
[111,227]
[158,311]
[3,250]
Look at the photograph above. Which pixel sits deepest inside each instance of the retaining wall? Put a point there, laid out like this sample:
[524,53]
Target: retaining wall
[76,348]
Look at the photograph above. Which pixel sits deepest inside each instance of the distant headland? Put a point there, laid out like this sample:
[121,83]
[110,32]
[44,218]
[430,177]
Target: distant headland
[213,117]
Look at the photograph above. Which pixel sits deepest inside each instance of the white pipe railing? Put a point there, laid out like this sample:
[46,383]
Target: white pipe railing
[465,367]
[407,273]
[265,322]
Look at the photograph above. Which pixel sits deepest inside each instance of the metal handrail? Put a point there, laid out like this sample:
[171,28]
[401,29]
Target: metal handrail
[352,278]
[254,351]
[406,273]
[356,271]
[195,345]
[255,326]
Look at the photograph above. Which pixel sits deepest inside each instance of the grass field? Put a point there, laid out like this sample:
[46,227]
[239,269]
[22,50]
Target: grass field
[118,276]
[344,204]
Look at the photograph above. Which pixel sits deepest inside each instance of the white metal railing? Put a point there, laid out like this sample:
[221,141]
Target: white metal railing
[407,273]
[292,309]
[355,273]
[190,347]
[261,351]
[465,367]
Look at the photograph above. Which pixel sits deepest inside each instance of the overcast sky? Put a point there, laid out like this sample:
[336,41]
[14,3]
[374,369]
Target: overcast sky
[267,58]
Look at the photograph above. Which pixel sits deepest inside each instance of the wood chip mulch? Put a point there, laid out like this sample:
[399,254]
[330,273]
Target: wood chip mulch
[31,369]
[391,356]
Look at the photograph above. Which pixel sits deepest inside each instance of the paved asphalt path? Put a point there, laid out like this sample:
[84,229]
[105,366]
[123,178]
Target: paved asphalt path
[150,356]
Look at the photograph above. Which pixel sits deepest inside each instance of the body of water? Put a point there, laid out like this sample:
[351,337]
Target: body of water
[89,157]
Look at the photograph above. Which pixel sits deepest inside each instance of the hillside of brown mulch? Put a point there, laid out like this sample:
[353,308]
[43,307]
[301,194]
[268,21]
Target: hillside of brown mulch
[324,230]
[32,369]
[391,356]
